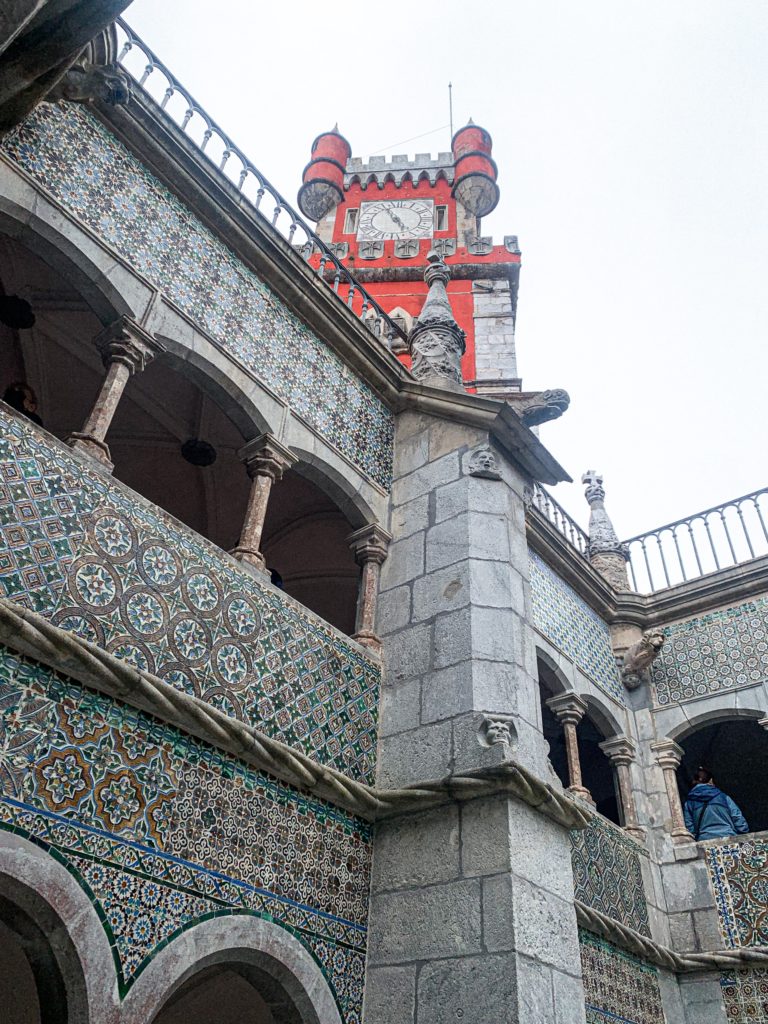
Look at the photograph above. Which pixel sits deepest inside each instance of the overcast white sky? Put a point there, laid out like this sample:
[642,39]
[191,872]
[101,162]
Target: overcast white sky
[631,141]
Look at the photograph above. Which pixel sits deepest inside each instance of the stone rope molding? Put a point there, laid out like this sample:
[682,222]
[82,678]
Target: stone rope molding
[662,956]
[30,634]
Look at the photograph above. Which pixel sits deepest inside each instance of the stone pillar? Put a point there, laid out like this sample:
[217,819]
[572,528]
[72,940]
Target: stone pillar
[125,349]
[668,757]
[620,751]
[266,460]
[472,914]
[606,552]
[370,545]
[568,709]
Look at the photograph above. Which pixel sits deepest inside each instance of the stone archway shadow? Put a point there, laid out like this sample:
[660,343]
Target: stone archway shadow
[233,939]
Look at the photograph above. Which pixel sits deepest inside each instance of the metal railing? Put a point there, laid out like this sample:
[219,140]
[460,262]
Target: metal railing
[717,538]
[154,78]
[559,518]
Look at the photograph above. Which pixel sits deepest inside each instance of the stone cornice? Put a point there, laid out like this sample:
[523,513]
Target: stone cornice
[460,271]
[730,586]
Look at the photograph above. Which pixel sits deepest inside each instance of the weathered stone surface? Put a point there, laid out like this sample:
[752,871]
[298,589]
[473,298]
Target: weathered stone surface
[569,997]
[390,994]
[394,610]
[405,562]
[408,653]
[468,535]
[426,924]
[411,517]
[426,479]
[399,707]
[417,850]
[702,999]
[535,1000]
[470,493]
[480,988]
[485,837]
[415,756]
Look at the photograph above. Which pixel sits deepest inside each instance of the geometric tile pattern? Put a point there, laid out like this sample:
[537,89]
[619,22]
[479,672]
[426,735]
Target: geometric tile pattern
[43,499]
[718,651]
[163,831]
[607,875]
[80,754]
[618,988]
[745,995]
[738,874]
[107,188]
[142,586]
[570,624]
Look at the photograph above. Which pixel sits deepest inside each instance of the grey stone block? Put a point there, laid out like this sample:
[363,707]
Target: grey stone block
[441,591]
[418,756]
[485,836]
[543,925]
[489,633]
[468,535]
[410,518]
[426,479]
[404,562]
[706,924]
[390,995]
[681,932]
[426,924]
[412,452]
[447,692]
[393,610]
[471,494]
[399,707]
[540,850]
[495,585]
[702,999]
[568,994]
[476,990]
[452,638]
[535,1003]
[418,850]
[407,653]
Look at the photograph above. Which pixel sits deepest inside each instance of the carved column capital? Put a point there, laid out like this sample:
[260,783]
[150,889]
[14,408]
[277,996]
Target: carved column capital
[370,544]
[128,344]
[568,708]
[619,750]
[668,754]
[265,456]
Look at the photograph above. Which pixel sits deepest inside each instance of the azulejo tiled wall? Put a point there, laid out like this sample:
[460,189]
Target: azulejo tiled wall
[162,830]
[607,875]
[738,874]
[85,168]
[745,995]
[102,563]
[619,988]
[719,651]
[570,624]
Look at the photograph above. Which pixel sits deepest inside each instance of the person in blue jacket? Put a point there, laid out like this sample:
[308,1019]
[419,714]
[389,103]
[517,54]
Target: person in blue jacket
[708,812]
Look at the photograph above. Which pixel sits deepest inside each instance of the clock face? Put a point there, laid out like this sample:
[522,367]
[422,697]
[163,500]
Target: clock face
[396,218]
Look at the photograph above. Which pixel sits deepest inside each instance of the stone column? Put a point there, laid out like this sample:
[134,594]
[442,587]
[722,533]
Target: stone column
[370,546]
[125,349]
[620,751]
[266,460]
[568,709]
[668,757]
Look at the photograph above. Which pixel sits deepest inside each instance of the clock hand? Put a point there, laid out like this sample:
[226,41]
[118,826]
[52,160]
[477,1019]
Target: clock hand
[397,221]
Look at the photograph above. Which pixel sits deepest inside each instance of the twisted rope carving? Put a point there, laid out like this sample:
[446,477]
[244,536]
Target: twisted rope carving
[28,633]
[627,938]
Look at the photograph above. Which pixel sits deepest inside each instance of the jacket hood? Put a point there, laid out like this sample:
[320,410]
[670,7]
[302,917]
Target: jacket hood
[703,791]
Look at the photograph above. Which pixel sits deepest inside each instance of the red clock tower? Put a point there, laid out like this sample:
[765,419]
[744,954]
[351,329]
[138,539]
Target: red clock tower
[382,218]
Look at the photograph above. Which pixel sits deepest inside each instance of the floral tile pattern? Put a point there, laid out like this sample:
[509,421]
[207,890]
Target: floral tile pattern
[618,988]
[163,830]
[607,875]
[719,651]
[738,874]
[142,586]
[745,995]
[43,499]
[101,183]
[570,624]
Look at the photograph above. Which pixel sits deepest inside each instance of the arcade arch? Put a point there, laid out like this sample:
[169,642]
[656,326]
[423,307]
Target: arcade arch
[178,398]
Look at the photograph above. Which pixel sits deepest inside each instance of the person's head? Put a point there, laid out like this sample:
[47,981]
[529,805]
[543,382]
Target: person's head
[20,397]
[702,776]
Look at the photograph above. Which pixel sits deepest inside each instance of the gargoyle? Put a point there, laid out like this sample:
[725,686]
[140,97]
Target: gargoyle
[89,82]
[535,407]
[639,658]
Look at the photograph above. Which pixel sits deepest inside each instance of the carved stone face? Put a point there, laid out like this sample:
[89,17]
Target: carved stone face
[654,638]
[483,463]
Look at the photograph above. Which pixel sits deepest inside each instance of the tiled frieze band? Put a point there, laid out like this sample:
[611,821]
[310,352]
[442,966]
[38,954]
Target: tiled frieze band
[568,621]
[131,579]
[163,830]
[86,169]
[619,988]
[607,876]
[719,651]
[745,995]
[738,874]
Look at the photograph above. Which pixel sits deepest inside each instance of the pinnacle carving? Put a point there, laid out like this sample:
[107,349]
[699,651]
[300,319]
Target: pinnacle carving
[606,552]
[436,340]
